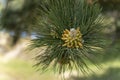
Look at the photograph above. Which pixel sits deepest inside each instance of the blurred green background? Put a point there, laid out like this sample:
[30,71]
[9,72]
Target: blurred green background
[18,16]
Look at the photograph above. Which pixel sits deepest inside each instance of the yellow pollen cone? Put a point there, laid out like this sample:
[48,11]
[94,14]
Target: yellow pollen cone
[72,38]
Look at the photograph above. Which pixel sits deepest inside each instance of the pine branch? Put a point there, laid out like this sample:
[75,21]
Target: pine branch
[69,18]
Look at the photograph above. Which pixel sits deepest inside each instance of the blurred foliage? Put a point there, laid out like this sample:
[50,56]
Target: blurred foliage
[110,4]
[111,8]
[18,16]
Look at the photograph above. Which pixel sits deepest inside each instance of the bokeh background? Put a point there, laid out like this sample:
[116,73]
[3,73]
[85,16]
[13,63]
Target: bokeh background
[16,31]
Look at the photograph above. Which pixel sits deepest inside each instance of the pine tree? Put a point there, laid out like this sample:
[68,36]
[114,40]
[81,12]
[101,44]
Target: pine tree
[70,31]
